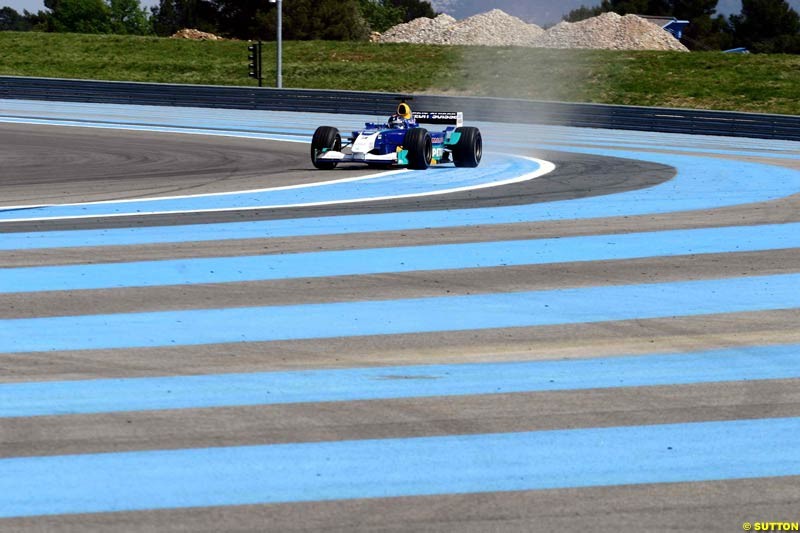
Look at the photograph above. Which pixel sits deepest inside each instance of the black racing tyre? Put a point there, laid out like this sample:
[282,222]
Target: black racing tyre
[325,137]
[468,151]
[420,148]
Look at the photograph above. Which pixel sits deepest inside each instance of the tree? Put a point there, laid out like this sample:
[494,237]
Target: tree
[769,26]
[720,37]
[172,15]
[305,20]
[656,8]
[412,9]
[701,29]
[243,19]
[692,9]
[256,19]
[79,16]
[165,18]
[127,17]
[39,21]
[582,13]
[380,14]
[11,20]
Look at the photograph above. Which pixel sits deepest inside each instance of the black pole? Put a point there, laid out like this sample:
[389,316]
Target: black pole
[254,57]
[260,71]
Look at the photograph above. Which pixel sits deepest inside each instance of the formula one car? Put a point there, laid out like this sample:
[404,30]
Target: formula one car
[401,141]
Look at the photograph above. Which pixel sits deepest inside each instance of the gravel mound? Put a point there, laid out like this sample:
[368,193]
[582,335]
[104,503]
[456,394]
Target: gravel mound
[195,35]
[610,31]
[483,29]
[422,30]
[496,28]
[480,29]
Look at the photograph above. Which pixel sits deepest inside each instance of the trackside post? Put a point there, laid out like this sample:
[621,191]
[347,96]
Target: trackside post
[254,56]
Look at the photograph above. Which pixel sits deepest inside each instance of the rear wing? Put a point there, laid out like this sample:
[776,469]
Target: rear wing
[441,117]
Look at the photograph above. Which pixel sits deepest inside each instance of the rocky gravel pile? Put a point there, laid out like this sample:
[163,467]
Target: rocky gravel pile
[610,31]
[497,28]
[494,28]
[195,35]
[422,30]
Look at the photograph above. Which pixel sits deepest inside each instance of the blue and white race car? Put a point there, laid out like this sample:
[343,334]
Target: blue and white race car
[401,141]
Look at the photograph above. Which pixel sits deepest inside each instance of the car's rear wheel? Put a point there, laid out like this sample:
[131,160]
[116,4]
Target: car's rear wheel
[468,151]
[324,139]
[420,148]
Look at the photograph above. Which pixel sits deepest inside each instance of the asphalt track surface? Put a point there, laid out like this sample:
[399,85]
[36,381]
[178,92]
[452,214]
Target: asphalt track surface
[611,346]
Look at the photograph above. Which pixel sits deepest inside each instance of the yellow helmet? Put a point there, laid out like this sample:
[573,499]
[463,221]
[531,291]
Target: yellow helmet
[404,111]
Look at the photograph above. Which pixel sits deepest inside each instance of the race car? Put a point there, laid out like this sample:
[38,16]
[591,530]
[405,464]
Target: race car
[401,141]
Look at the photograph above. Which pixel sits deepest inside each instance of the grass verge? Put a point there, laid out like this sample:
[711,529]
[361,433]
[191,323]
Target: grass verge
[701,80]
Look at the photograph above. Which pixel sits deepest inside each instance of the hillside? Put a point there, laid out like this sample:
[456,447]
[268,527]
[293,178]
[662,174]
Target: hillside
[708,80]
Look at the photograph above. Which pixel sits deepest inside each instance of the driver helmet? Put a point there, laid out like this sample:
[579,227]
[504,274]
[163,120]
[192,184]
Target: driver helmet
[396,122]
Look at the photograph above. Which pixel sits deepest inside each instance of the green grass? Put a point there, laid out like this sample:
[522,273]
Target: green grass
[702,80]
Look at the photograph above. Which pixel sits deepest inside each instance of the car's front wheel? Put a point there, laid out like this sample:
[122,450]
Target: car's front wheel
[324,139]
[468,151]
[420,148]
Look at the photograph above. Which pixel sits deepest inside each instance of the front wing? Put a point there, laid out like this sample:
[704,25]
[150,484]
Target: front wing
[394,158]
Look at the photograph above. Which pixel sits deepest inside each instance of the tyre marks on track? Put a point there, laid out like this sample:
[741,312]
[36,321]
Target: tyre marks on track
[600,383]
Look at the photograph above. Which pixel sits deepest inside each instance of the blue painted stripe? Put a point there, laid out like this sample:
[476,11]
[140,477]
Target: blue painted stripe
[270,388]
[700,184]
[631,145]
[420,315]
[399,467]
[438,178]
[401,259]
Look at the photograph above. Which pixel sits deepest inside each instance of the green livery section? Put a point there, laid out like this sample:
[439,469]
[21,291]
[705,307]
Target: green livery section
[453,140]
[402,157]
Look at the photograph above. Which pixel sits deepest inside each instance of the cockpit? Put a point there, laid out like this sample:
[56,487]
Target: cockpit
[403,118]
